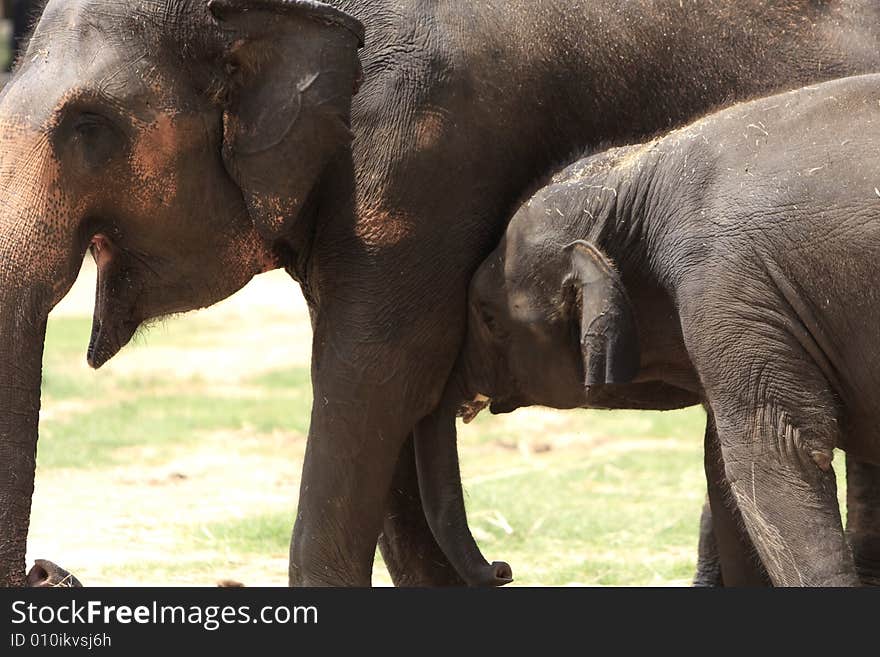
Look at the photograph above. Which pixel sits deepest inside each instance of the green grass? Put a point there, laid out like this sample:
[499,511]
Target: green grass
[597,515]
[260,533]
[104,435]
[612,517]
[108,415]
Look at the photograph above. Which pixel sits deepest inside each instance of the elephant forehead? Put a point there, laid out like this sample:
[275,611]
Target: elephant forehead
[115,21]
[118,45]
[524,308]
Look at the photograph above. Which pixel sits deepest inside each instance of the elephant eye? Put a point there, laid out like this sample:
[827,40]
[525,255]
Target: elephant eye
[492,324]
[88,124]
[96,139]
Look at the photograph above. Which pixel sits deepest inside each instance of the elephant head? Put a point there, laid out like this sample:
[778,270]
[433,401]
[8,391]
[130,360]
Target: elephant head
[179,141]
[550,322]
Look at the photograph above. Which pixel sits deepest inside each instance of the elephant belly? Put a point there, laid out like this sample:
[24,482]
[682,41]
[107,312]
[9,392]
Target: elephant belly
[652,396]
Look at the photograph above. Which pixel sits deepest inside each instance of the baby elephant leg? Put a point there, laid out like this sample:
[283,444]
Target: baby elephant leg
[784,486]
[737,561]
[777,424]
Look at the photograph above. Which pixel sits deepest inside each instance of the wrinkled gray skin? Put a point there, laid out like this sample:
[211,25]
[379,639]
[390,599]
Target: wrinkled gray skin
[189,148]
[733,260]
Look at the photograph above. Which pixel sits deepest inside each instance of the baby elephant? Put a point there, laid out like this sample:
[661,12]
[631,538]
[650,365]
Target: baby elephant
[734,262]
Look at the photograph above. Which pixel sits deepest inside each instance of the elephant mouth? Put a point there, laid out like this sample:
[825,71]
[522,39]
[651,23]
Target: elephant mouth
[107,340]
[112,328]
[102,250]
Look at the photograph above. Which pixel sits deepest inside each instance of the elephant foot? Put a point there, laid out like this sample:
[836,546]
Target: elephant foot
[46,574]
[498,573]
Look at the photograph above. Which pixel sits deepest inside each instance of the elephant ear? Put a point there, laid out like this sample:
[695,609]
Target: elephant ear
[608,335]
[292,69]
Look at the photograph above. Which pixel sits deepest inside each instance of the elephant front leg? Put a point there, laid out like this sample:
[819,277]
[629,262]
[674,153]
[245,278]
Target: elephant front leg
[349,463]
[863,518]
[366,404]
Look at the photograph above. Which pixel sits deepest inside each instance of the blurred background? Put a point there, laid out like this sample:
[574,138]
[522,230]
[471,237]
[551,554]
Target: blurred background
[15,19]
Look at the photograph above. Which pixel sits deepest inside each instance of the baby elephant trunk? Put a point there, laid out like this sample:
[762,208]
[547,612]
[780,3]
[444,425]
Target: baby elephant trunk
[443,501]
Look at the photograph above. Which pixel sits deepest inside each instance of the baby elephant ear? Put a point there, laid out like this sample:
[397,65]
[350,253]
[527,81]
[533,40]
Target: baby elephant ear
[291,70]
[609,339]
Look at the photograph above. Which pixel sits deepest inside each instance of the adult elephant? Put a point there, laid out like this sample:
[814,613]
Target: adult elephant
[192,144]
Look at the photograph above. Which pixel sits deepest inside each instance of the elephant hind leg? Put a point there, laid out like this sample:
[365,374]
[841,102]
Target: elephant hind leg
[788,503]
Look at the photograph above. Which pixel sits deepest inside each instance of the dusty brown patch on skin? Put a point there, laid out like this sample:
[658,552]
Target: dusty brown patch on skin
[187,239]
[430,128]
[822,459]
[153,161]
[34,209]
[382,228]
[274,210]
[253,255]
[166,217]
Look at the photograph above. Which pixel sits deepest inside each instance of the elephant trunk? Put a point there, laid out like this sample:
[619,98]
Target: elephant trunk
[443,501]
[43,238]
[22,331]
